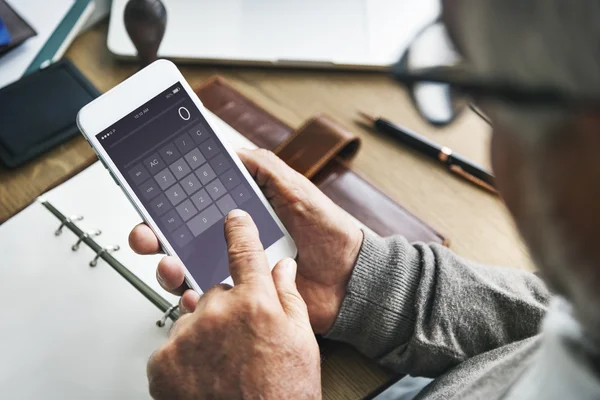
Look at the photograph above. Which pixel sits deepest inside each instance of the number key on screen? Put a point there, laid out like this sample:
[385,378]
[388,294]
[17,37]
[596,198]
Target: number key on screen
[190,184]
[195,158]
[205,173]
[201,199]
[215,189]
[204,220]
[179,168]
[165,178]
[175,194]
[186,210]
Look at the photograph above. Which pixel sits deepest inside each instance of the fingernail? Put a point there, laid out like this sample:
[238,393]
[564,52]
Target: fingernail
[182,308]
[236,214]
[159,279]
[290,267]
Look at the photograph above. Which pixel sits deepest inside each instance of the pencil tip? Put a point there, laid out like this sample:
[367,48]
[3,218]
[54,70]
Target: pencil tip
[368,117]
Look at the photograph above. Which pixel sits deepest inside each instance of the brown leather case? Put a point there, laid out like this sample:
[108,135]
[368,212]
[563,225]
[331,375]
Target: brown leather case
[321,150]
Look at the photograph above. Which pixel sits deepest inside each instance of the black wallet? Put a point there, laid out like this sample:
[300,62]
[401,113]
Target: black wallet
[39,111]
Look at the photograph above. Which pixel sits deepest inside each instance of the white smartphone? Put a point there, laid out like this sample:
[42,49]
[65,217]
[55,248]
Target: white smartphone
[153,137]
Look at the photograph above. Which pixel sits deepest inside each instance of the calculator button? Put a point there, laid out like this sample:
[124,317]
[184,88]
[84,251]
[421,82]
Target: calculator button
[165,178]
[160,205]
[154,163]
[198,133]
[209,149]
[190,184]
[201,200]
[182,236]
[175,194]
[204,220]
[184,143]
[180,168]
[195,158]
[206,174]
[216,189]
[220,164]
[169,153]
[138,174]
[171,220]
[186,210]
[240,194]
[230,179]
[226,204]
[149,190]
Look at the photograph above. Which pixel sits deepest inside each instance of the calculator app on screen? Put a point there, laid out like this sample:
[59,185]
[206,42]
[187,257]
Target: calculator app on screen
[186,180]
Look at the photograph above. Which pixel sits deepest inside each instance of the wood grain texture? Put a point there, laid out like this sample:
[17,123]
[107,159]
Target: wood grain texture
[475,221]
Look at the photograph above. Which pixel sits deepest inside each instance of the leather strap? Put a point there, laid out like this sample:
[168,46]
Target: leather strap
[317,143]
[242,114]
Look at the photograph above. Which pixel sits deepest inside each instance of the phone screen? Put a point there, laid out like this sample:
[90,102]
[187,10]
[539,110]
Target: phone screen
[186,180]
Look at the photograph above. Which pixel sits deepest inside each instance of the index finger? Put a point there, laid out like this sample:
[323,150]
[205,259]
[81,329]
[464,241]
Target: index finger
[247,259]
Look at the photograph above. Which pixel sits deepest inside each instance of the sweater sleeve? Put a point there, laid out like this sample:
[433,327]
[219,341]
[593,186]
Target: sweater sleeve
[420,309]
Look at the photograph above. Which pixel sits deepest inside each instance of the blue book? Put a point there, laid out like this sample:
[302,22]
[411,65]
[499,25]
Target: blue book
[5,37]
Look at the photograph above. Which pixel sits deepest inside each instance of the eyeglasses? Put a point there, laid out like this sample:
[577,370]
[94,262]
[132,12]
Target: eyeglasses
[441,88]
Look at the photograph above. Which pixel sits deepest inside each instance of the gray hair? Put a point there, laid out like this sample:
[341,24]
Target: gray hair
[549,43]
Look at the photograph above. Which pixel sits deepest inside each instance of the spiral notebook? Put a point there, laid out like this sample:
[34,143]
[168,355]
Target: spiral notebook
[74,325]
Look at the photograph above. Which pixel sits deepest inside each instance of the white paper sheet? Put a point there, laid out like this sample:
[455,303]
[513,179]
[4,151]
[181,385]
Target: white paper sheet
[44,17]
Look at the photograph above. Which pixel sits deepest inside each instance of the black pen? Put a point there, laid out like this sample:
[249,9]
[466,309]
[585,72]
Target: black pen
[455,163]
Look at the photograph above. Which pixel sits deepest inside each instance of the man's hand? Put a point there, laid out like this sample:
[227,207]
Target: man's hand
[250,341]
[328,241]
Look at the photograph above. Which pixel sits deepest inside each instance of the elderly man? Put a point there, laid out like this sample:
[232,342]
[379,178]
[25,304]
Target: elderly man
[478,331]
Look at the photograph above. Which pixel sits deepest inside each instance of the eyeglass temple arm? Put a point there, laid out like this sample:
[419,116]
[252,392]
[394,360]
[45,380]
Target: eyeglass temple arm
[505,91]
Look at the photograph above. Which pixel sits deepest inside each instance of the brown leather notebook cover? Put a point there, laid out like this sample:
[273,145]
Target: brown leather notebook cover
[321,150]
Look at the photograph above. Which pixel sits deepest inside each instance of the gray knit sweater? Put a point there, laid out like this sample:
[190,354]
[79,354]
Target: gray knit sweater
[422,310]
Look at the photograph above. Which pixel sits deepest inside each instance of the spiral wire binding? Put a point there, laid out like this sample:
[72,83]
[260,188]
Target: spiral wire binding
[96,232]
[101,252]
[67,221]
[170,311]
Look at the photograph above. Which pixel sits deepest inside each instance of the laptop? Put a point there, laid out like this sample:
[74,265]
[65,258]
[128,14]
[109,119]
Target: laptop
[348,34]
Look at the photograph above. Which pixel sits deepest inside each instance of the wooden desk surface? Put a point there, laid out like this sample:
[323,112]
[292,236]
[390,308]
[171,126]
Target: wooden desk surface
[475,221]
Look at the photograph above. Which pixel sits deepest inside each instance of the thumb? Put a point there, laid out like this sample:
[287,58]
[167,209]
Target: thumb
[284,277]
